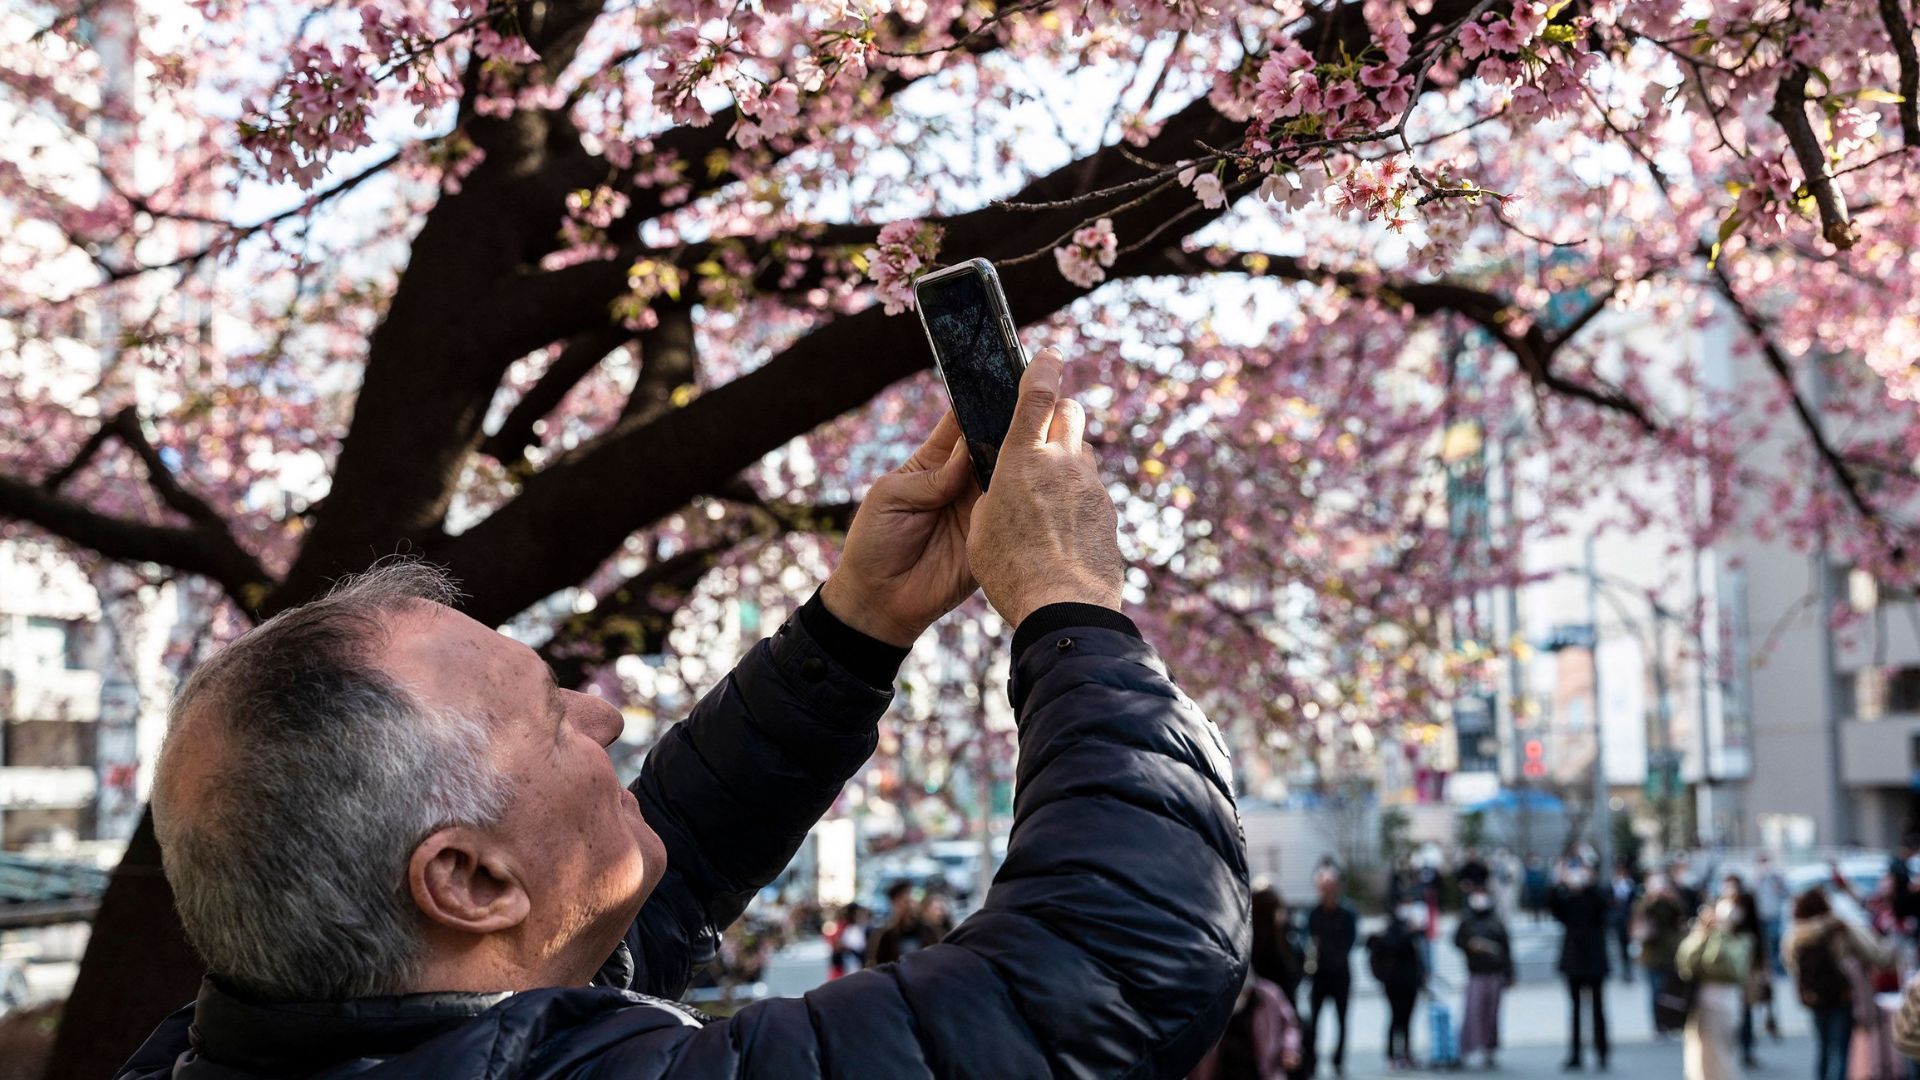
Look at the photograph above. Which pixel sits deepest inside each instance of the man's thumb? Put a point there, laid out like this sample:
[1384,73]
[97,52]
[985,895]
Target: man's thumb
[928,489]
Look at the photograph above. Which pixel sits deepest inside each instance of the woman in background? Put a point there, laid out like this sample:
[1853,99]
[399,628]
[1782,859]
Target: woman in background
[1394,956]
[1482,936]
[1714,956]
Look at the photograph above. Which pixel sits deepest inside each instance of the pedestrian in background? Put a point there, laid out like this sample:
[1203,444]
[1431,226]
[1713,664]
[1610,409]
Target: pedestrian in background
[1332,930]
[1535,884]
[902,933]
[847,941]
[1262,1039]
[1507,872]
[1758,986]
[1581,907]
[936,918]
[1624,891]
[1394,956]
[1275,958]
[1659,922]
[1482,938]
[1714,956]
[1771,899]
[1474,873]
[1825,955]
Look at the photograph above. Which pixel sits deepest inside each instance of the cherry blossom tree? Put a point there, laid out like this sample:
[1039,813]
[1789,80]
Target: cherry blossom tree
[606,308]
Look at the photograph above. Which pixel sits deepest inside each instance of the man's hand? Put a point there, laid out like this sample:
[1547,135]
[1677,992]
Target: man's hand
[1046,531]
[905,561]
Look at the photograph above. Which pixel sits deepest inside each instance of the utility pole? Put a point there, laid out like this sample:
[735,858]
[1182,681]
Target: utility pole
[1663,705]
[1515,763]
[1602,816]
[1703,796]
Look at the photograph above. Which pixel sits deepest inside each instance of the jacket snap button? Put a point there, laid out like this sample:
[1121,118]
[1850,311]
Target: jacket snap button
[813,668]
[1063,644]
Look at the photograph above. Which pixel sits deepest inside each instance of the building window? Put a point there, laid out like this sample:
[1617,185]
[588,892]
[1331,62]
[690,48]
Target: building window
[1861,591]
[1874,693]
[57,643]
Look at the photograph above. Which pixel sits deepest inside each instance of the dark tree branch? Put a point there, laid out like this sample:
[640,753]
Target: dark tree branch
[581,355]
[1790,112]
[668,362]
[204,548]
[634,617]
[1777,361]
[1532,348]
[1900,33]
[81,459]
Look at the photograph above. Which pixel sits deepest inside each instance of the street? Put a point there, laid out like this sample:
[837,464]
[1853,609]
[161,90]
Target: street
[1533,1025]
[1533,1030]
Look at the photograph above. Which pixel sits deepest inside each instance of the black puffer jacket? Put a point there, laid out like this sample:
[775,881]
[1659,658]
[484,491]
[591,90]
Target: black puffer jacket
[1112,942]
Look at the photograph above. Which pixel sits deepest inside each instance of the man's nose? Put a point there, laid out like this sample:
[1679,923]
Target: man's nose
[597,717]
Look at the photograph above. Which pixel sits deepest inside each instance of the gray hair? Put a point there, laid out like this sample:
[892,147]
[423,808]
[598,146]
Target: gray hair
[289,870]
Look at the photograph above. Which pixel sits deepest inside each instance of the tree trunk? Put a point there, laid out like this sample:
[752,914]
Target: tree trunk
[138,968]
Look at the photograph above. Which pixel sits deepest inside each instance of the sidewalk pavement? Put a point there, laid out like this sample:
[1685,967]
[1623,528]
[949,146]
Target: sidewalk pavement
[1535,1014]
[1792,1057]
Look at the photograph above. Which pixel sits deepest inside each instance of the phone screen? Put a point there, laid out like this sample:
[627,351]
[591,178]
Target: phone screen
[981,366]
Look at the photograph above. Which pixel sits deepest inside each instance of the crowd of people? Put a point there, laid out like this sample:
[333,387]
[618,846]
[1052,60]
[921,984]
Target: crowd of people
[1708,945]
[915,919]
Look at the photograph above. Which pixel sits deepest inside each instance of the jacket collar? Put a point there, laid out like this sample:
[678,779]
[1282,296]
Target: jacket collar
[298,1036]
[274,1036]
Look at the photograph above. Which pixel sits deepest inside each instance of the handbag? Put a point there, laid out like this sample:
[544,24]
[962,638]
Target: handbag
[1674,1003]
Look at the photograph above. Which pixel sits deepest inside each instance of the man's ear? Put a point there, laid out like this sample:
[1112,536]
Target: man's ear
[461,879]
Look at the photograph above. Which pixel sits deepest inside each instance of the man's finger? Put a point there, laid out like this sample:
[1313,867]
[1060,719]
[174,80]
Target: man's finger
[1069,425]
[1039,392]
[938,447]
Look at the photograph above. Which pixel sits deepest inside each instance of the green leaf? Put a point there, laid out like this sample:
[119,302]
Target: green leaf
[1884,97]
[1559,35]
[1728,226]
[1556,9]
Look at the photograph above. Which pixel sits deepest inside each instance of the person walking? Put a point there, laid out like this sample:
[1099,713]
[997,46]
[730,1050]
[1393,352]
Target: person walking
[1580,906]
[1757,987]
[1507,873]
[1394,956]
[1659,922]
[903,933]
[1622,892]
[1275,957]
[1262,1040]
[1823,954]
[847,941]
[1714,956]
[1332,930]
[1534,887]
[1482,938]
[1771,900]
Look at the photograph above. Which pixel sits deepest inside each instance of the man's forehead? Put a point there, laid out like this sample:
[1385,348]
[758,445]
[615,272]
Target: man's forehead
[451,656]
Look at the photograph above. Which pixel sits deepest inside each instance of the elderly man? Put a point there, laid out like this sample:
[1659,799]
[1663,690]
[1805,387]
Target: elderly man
[402,849]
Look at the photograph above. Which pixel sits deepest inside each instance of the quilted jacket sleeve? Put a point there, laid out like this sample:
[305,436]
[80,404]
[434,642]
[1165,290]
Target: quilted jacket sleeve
[733,789]
[1112,942]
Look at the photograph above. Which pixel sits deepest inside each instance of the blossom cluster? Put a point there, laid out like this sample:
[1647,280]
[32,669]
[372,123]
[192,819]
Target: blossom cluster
[905,248]
[1083,259]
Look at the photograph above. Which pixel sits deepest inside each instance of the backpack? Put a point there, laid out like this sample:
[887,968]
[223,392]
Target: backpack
[1823,983]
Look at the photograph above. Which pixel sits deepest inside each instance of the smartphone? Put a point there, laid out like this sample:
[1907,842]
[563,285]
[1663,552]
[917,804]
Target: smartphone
[977,353]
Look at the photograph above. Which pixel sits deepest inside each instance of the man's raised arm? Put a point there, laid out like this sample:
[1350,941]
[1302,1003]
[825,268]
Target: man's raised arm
[734,788]
[1114,938]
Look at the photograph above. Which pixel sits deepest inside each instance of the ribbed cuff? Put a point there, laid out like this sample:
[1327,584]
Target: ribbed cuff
[1056,617]
[873,661]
